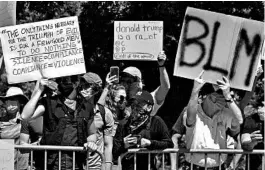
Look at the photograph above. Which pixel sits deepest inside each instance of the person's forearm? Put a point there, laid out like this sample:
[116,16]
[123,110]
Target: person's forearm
[29,108]
[157,144]
[102,99]
[108,157]
[164,79]
[236,111]
[191,109]
[164,86]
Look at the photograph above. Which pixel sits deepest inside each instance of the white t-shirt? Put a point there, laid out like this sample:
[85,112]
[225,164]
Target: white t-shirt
[208,133]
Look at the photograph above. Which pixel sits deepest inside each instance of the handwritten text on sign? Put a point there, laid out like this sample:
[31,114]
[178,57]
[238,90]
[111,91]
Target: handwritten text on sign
[6,154]
[220,44]
[49,48]
[137,40]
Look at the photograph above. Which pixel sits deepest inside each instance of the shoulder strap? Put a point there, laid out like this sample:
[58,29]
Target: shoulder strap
[102,113]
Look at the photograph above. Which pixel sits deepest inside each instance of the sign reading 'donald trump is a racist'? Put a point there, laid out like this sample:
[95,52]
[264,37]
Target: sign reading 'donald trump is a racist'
[137,40]
[48,49]
[220,44]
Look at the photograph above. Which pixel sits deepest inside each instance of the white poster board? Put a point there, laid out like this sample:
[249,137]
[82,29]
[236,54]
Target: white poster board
[6,154]
[48,49]
[137,40]
[222,45]
[7,17]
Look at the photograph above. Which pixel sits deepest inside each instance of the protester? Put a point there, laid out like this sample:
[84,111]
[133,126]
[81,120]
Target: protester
[131,78]
[141,130]
[10,121]
[104,124]
[207,124]
[68,118]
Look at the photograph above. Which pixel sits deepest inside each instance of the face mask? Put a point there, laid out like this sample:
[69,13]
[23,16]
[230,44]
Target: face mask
[66,89]
[12,108]
[211,106]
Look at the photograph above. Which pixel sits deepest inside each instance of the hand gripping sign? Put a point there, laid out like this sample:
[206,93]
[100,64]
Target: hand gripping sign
[222,45]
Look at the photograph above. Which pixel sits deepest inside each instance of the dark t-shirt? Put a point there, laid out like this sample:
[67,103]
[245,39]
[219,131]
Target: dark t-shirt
[32,128]
[251,124]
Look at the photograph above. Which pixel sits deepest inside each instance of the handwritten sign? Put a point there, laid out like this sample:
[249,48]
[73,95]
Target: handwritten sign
[222,45]
[6,154]
[7,17]
[42,49]
[137,40]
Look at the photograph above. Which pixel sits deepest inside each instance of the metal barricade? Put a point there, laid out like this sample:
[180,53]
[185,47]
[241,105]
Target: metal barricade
[47,148]
[192,151]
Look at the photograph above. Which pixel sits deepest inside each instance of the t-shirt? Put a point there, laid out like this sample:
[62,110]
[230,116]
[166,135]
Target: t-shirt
[94,160]
[33,128]
[251,124]
[208,133]
[156,106]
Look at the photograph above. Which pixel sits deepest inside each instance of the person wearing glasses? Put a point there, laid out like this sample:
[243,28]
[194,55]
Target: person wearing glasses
[207,124]
[68,118]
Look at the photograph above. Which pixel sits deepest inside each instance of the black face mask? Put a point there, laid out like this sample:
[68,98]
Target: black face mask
[66,89]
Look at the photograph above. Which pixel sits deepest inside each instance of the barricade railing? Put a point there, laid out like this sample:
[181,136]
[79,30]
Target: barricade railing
[192,151]
[47,148]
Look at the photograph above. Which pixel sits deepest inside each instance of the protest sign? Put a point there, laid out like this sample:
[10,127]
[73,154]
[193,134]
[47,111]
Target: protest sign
[222,45]
[6,154]
[48,49]
[7,17]
[137,40]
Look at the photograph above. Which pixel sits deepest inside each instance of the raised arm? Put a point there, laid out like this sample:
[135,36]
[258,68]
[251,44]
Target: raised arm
[164,87]
[30,111]
[225,87]
[192,109]
[109,82]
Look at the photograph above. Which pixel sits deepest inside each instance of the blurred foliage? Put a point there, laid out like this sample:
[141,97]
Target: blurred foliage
[97,29]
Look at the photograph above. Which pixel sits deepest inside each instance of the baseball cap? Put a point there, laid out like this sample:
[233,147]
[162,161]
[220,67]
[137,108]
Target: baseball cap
[144,97]
[133,71]
[92,78]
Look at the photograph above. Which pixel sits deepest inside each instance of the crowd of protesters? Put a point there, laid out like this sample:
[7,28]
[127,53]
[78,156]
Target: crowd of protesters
[79,111]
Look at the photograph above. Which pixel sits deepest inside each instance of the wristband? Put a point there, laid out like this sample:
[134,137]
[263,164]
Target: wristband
[229,100]
[161,65]
[109,162]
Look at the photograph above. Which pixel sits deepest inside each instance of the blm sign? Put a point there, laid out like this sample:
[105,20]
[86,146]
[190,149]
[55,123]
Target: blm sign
[220,44]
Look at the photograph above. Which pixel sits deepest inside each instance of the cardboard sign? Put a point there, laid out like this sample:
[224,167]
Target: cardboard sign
[7,17]
[222,45]
[6,154]
[137,40]
[48,49]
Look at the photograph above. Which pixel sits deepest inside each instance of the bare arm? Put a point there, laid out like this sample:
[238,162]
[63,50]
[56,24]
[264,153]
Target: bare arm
[109,82]
[225,87]
[164,87]
[30,108]
[108,145]
[191,109]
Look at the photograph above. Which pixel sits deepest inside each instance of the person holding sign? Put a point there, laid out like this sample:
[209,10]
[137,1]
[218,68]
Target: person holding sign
[68,117]
[207,123]
[131,78]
